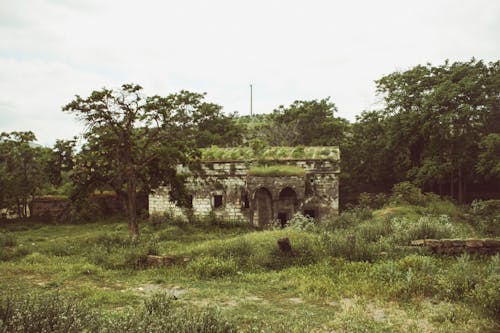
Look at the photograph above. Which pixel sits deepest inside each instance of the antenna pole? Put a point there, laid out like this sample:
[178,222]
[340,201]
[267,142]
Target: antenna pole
[251,100]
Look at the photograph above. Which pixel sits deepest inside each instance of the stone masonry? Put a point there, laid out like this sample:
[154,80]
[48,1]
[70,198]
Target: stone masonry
[228,190]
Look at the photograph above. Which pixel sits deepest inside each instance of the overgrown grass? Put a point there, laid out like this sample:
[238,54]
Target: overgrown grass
[350,273]
[276,170]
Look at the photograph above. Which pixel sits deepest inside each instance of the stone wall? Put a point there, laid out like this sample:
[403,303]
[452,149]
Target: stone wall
[459,246]
[225,190]
[105,204]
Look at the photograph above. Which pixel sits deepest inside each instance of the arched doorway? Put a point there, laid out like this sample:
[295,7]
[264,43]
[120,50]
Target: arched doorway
[287,205]
[263,207]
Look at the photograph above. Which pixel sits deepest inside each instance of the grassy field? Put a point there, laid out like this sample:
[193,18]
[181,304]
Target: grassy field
[352,274]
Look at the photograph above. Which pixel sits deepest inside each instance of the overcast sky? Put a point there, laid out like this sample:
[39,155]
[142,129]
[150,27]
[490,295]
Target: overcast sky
[51,50]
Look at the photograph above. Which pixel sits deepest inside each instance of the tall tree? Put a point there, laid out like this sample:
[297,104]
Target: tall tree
[22,170]
[134,142]
[438,115]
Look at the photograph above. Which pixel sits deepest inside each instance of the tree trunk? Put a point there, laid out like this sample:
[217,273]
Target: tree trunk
[460,186]
[133,226]
[452,189]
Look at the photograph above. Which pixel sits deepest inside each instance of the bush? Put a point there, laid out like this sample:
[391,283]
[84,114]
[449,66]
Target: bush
[411,276]
[487,295]
[213,267]
[7,239]
[407,193]
[460,279]
[54,313]
[44,313]
[406,229]
[372,200]
[347,218]
[301,222]
[350,247]
[486,216]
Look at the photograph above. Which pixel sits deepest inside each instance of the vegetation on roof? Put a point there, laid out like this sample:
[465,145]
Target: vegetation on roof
[276,170]
[215,153]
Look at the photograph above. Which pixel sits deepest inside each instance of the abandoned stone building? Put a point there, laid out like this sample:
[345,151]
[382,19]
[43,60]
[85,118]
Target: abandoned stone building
[271,185]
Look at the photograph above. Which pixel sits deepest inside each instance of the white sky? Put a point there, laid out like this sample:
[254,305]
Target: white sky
[51,50]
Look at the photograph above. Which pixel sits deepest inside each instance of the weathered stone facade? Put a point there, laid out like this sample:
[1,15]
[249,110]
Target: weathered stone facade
[229,190]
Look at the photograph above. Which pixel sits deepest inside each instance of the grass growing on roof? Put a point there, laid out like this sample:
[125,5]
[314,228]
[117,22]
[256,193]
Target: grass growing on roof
[215,153]
[277,170]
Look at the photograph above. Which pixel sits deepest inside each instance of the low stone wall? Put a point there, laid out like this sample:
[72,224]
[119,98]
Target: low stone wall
[459,246]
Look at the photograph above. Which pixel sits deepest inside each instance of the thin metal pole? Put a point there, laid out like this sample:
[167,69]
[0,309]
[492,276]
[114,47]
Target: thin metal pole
[251,100]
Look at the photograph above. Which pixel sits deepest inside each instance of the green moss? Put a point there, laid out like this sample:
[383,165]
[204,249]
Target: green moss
[277,170]
[215,153]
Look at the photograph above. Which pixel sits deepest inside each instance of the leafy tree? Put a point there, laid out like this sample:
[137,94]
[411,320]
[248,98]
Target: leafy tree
[437,115]
[310,123]
[489,157]
[22,170]
[60,160]
[134,142]
[215,128]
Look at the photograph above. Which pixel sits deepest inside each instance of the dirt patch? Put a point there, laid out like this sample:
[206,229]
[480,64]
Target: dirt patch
[148,288]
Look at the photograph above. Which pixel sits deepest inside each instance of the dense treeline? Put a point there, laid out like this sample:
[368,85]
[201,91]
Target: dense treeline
[439,128]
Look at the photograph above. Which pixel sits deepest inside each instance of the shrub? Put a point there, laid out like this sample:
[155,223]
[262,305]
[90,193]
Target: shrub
[407,193]
[372,200]
[406,229]
[347,218]
[350,247]
[486,216]
[213,267]
[487,295]
[408,277]
[44,313]
[7,239]
[372,231]
[301,222]
[460,279]
[54,313]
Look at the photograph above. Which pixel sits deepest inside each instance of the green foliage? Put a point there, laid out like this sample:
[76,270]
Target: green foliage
[301,222]
[489,158]
[405,229]
[407,193]
[486,216]
[372,200]
[212,267]
[7,239]
[22,171]
[44,313]
[276,170]
[55,313]
[412,276]
[259,150]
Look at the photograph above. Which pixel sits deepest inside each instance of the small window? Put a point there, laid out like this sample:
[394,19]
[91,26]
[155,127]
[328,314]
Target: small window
[217,201]
[246,203]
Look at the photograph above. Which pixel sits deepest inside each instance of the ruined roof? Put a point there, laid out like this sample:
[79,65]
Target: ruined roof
[215,153]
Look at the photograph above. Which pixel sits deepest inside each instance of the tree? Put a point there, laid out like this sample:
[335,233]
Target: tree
[134,142]
[438,114]
[60,160]
[489,157]
[22,170]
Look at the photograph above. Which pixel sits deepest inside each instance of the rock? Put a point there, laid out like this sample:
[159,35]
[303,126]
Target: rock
[473,243]
[156,261]
[285,246]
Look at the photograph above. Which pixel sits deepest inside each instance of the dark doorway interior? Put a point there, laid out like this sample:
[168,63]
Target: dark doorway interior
[283,218]
[263,200]
[310,213]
